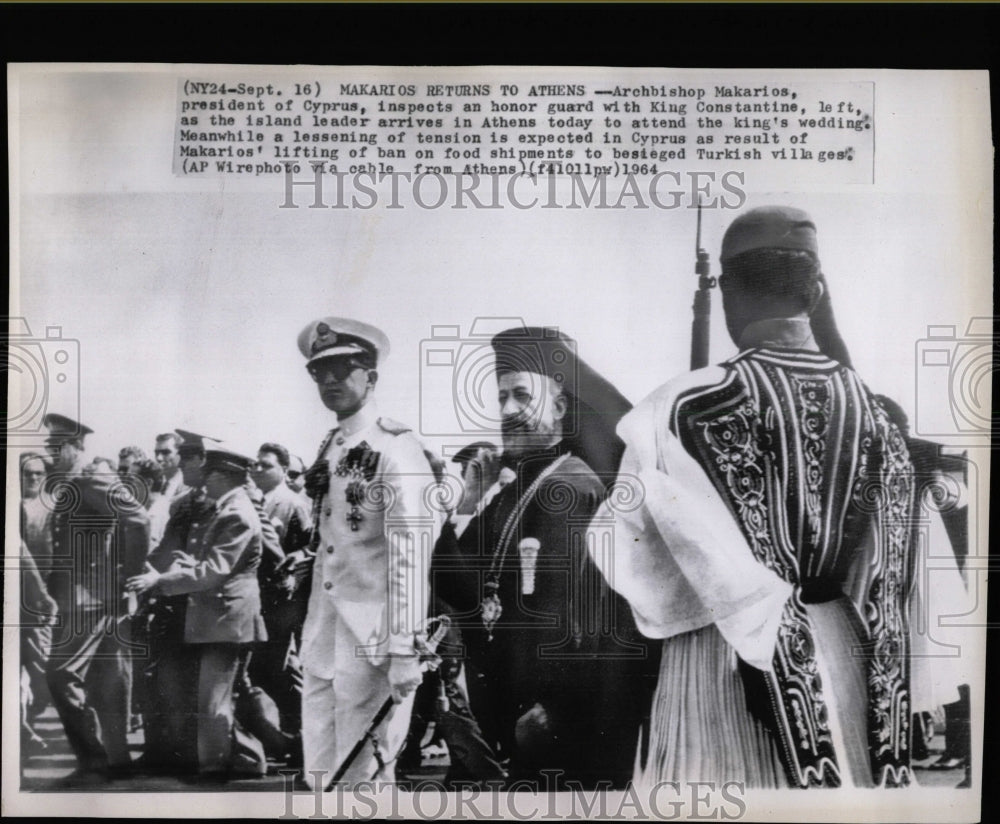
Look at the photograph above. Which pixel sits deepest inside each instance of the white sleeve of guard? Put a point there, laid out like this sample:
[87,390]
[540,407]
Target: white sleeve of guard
[679,557]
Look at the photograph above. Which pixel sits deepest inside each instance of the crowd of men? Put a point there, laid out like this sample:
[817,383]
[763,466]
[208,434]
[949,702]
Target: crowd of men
[670,592]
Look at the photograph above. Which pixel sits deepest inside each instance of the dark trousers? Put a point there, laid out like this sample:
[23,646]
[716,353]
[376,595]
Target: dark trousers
[278,673]
[171,719]
[89,677]
[275,666]
[275,670]
[169,698]
[442,699]
[472,758]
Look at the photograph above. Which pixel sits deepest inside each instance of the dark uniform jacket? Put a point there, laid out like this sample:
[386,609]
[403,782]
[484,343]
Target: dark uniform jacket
[100,537]
[223,594]
[563,641]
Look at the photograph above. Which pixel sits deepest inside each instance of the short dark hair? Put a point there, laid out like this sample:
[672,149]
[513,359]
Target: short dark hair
[278,451]
[132,452]
[785,273]
[169,436]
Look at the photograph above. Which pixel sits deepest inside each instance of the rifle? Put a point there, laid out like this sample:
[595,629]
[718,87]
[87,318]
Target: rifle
[427,650]
[702,303]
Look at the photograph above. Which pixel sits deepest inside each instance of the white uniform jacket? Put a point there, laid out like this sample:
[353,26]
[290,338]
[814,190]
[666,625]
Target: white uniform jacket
[377,528]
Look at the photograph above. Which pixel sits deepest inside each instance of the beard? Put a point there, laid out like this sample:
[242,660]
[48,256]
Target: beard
[520,436]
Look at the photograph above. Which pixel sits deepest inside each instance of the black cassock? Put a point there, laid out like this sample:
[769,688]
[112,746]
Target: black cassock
[564,644]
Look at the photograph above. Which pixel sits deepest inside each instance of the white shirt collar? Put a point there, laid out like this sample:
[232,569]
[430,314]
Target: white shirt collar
[276,493]
[171,487]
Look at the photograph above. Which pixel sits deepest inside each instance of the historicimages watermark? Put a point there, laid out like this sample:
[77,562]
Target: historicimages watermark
[536,186]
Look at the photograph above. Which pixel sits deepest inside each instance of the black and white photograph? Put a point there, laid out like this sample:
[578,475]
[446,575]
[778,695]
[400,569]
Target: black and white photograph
[497,442]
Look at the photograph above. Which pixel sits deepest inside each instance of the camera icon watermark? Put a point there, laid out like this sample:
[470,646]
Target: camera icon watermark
[954,376]
[43,374]
[458,380]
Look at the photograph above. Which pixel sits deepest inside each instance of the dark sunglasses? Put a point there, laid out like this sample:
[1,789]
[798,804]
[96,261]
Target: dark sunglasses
[337,369]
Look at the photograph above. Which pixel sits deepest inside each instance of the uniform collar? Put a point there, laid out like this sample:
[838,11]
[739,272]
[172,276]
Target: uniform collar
[779,333]
[362,419]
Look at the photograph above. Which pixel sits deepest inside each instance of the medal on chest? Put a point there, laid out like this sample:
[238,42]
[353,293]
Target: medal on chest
[359,466]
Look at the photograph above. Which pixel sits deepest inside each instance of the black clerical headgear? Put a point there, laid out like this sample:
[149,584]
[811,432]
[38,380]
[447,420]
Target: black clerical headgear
[594,405]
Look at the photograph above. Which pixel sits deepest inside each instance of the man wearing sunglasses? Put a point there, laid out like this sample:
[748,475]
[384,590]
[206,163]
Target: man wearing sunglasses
[295,475]
[372,537]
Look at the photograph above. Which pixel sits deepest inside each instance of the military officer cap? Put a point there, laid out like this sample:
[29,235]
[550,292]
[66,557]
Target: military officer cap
[222,458]
[770,227]
[63,429]
[342,337]
[193,443]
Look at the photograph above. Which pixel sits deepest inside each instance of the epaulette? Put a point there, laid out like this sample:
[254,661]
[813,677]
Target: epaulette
[393,427]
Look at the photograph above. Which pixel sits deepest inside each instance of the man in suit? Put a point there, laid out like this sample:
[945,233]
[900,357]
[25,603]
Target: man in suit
[219,577]
[275,666]
[168,456]
[287,509]
[100,535]
[295,475]
[373,535]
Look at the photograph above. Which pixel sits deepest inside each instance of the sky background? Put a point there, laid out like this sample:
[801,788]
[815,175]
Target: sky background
[185,296]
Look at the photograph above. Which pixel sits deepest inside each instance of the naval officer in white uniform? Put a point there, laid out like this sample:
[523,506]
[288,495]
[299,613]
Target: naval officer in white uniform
[374,530]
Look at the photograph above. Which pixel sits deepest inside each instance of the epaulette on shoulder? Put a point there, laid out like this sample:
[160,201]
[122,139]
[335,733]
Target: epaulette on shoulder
[393,427]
